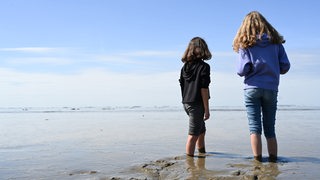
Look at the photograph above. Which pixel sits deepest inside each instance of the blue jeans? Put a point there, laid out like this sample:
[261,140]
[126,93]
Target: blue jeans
[261,100]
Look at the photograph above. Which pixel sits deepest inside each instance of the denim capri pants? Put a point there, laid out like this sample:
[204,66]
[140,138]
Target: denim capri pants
[263,101]
[195,112]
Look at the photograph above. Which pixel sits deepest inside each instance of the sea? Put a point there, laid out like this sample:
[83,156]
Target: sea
[102,142]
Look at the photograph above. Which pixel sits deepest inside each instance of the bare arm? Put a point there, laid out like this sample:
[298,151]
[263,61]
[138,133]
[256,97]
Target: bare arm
[205,100]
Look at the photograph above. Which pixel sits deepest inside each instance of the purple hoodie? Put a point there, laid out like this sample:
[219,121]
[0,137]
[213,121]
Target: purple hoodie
[262,64]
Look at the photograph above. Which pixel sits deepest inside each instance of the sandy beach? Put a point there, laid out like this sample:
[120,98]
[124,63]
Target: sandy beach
[149,144]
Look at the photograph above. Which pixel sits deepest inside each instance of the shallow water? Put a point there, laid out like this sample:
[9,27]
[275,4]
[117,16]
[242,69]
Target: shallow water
[104,144]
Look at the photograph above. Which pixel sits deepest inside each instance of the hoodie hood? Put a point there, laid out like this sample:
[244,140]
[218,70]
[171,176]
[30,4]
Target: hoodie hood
[263,40]
[189,70]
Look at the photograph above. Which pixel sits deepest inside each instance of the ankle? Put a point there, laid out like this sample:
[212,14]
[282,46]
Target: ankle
[202,150]
[273,158]
[258,158]
[189,155]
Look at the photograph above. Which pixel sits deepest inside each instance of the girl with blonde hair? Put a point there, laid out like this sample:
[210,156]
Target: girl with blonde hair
[262,58]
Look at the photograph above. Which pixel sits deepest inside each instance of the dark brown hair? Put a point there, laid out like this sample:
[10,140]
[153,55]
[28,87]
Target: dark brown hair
[196,50]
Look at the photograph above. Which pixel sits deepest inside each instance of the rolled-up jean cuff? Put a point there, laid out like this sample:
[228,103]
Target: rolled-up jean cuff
[255,132]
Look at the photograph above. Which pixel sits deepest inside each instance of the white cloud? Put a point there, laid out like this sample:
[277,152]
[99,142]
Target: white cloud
[226,89]
[299,90]
[96,87]
[117,59]
[31,49]
[36,55]
[40,60]
[134,56]
[229,54]
[92,87]
[304,57]
[153,53]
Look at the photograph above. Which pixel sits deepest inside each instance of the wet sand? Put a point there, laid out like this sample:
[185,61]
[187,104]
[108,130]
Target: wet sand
[150,145]
[221,166]
[198,168]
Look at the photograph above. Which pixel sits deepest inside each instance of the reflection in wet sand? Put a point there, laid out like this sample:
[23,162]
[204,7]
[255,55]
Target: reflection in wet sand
[195,168]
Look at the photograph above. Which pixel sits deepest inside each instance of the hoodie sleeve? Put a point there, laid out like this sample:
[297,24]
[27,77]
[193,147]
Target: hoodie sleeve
[283,60]
[245,64]
[205,76]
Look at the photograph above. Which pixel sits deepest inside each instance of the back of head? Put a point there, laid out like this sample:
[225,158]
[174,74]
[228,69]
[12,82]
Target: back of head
[196,50]
[252,28]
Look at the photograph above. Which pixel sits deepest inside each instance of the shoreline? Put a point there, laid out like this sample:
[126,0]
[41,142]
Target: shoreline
[94,109]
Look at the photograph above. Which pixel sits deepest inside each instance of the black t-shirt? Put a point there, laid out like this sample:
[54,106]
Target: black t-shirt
[194,76]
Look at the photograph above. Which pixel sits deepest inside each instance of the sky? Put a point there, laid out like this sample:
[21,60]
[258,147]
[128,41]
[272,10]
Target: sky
[127,53]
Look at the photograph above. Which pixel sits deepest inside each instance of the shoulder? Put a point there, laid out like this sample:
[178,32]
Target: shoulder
[281,47]
[204,64]
[204,68]
[243,51]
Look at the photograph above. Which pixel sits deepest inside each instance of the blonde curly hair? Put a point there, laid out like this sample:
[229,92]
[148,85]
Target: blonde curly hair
[252,28]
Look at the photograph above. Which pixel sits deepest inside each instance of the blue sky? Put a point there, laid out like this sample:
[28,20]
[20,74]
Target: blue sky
[119,53]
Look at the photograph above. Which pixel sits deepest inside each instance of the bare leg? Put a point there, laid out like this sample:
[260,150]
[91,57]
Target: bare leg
[272,146]
[272,149]
[191,144]
[256,146]
[201,143]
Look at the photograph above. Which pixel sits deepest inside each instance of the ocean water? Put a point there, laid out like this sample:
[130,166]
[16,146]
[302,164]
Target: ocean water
[100,142]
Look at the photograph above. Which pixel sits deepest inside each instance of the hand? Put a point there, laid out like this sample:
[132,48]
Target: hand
[206,116]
